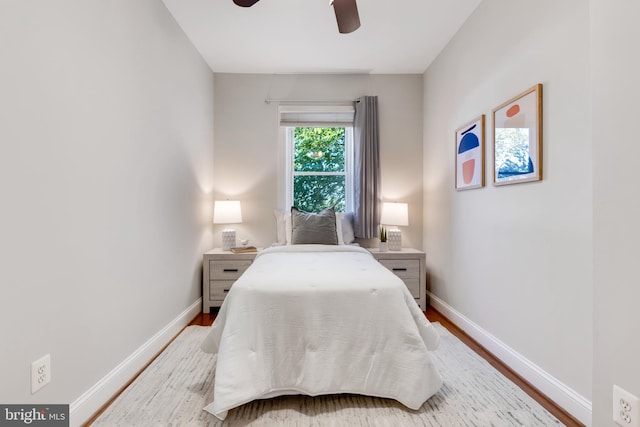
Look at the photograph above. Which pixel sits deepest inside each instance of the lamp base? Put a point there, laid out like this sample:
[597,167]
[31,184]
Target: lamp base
[395,240]
[228,239]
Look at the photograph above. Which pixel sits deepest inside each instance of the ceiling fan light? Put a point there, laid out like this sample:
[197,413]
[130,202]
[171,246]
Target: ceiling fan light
[245,3]
[346,15]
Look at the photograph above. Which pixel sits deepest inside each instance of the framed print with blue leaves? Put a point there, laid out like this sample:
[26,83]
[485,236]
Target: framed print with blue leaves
[517,138]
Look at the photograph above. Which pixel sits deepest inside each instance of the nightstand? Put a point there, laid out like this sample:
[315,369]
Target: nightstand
[409,265]
[220,269]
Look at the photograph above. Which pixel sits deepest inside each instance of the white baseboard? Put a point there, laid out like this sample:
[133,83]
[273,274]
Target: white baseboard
[563,396]
[93,399]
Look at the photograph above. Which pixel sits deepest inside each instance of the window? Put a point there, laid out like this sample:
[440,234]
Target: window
[318,157]
[320,162]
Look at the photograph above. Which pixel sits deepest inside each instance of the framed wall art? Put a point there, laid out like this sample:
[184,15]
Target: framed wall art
[517,138]
[470,155]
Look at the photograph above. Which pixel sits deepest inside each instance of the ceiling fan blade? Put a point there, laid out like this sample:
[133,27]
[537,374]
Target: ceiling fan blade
[245,3]
[346,15]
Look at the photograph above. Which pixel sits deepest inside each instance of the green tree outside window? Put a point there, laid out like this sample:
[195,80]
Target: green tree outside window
[319,168]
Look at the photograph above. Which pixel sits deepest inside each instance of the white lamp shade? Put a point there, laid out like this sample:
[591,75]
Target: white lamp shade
[395,214]
[227,212]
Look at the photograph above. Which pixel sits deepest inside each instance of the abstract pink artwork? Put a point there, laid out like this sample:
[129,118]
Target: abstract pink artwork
[470,155]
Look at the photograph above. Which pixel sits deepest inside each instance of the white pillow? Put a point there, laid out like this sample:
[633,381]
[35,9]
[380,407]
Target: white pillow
[346,223]
[339,218]
[288,227]
[283,226]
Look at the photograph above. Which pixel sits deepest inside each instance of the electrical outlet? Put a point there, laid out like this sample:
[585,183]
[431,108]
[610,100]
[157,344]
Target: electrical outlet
[40,373]
[626,408]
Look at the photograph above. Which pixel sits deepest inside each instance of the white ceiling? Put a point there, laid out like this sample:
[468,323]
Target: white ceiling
[301,36]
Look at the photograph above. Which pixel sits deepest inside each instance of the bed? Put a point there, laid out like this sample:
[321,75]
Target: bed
[320,319]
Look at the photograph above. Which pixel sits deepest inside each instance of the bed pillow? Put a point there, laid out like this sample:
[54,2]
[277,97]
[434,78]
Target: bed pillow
[339,218]
[347,234]
[344,227]
[313,228]
[280,236]
[288,228]
[283,227]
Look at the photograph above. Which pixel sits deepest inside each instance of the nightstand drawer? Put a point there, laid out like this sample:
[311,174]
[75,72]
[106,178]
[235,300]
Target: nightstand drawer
[409,265]
[218,289]
[403,268]
[227,270]
[219,270]
[414,286]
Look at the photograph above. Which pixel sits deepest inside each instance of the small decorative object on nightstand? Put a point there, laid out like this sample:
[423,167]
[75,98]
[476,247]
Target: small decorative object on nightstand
[220,269]
[243,249]
[395,214]
[383,240]
[227,212]
[409,265]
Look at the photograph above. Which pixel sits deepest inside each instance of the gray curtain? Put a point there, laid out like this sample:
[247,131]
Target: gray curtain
[366,168]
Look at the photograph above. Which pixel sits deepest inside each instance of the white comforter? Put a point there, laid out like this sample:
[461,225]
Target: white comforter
[315,319]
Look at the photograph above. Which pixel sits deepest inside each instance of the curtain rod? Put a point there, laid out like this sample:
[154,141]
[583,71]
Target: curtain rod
[309,101]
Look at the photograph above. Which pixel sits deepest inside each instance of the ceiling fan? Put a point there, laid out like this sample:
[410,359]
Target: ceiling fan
[346,13]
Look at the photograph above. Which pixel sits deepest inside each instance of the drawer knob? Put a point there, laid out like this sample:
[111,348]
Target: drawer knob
[400,269]
[230,270]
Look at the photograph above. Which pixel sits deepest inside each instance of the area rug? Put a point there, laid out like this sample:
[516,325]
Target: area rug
[173,390]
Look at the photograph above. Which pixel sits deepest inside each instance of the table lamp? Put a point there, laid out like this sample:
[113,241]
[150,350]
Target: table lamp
[227,212]
[395,214]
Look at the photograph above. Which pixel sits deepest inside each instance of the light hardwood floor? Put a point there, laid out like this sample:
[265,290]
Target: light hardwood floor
[548,404]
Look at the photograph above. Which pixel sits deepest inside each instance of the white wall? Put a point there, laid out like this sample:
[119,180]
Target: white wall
[249,157]
[106,174]
[616,208]
[516,260]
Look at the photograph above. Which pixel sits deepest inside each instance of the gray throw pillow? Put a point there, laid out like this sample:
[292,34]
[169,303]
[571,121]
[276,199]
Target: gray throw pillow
[313,228]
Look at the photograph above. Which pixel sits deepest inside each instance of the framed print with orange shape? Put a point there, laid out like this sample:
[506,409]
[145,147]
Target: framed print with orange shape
[517,138]
[470,155]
